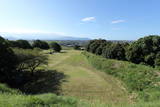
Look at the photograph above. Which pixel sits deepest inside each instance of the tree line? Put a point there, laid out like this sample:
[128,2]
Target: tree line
[145,50]
[24,44]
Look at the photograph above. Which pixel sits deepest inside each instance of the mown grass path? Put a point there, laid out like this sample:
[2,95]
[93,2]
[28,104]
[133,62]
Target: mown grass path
[85,82]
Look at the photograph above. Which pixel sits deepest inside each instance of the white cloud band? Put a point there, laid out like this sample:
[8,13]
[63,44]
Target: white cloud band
[117,21]
[87,19]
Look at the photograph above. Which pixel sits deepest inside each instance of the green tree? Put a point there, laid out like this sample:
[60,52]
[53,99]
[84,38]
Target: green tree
[29,59]
[100,48]
[13,44]
[114,51]
[93,45]
[40,44]
[55,46]
[7,62]
[144,50]
[24,44]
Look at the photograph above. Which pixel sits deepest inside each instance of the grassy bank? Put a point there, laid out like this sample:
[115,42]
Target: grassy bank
[14,98]
[140,80]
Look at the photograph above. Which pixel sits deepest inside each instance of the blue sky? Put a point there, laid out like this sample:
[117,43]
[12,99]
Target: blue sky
[109,19]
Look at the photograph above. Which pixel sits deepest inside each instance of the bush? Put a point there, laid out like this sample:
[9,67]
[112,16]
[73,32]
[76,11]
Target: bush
[40,44]
[114,51]
[55,46]
[24,44]
[93,46]
[76,47]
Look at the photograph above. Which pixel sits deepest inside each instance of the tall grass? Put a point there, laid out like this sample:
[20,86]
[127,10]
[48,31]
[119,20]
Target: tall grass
[14,98]
[139,79]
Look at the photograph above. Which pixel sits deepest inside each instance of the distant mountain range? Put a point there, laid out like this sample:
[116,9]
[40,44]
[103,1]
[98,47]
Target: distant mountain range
[41,36]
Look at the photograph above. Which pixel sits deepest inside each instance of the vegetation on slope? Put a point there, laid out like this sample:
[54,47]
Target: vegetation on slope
[14,98]
[143,51]
[141,79]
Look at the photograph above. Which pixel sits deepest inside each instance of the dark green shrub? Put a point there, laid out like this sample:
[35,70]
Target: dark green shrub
[55,46]
[76,47]
[114,51]
[24,44]
[150,59]
[93,46]
[40,44]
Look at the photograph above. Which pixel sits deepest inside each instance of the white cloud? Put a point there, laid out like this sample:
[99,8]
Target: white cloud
[117,21]
[87,19]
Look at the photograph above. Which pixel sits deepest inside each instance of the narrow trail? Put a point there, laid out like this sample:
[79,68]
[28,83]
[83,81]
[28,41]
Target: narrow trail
[85,82]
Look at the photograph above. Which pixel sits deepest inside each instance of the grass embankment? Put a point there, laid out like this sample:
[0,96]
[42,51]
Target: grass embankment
[141,80]
[84,81]
[14,98]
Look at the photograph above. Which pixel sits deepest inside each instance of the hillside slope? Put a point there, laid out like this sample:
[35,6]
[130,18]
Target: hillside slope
[85,82]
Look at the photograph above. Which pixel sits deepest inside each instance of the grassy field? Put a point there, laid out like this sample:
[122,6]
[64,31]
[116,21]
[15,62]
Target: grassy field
[84,81]
[85,85]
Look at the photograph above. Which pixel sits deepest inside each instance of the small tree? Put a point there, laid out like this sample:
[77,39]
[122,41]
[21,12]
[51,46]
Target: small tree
[29,60]
[55,46]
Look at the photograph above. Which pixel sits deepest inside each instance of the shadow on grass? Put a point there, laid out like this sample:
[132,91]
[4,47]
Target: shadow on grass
[45,82]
